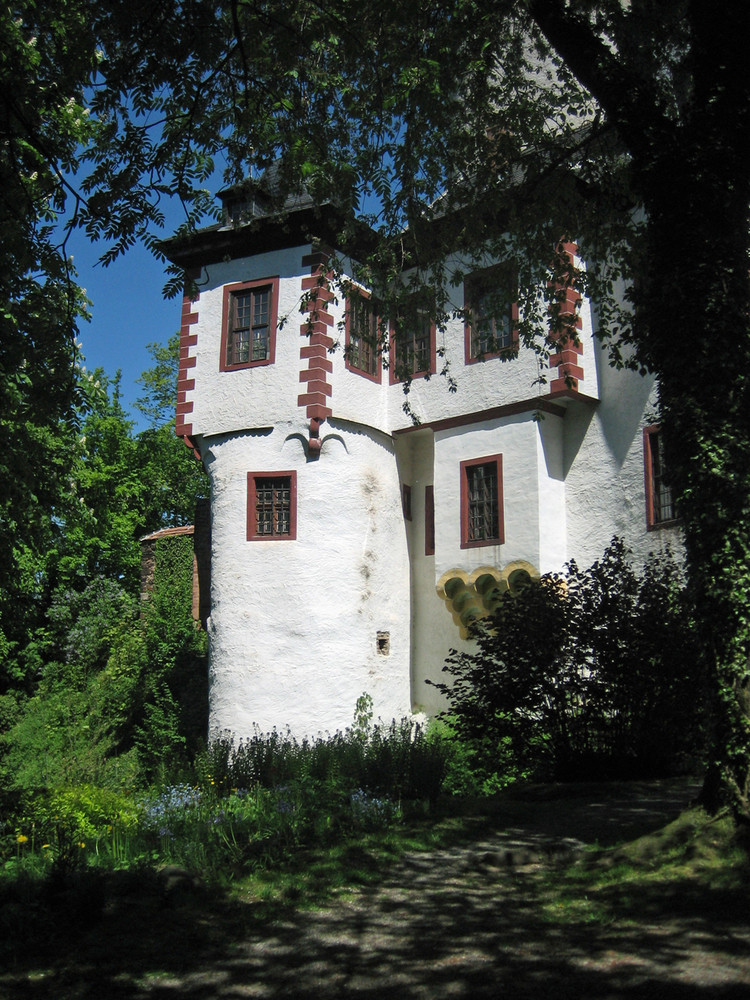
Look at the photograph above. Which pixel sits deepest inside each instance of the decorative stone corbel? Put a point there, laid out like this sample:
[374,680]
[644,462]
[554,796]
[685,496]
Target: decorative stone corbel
[470,596]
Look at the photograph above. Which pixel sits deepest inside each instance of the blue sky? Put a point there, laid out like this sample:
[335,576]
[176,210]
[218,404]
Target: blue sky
[128,312]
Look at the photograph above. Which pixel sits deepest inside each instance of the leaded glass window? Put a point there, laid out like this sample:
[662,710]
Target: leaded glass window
[413,343]
[491,312]
[661,500]
[483,507]
[272,506]
[249,333]
[362,352]
[482,521]
[490,332]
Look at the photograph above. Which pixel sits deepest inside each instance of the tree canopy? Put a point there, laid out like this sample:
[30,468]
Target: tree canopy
[114,487]
[503,124]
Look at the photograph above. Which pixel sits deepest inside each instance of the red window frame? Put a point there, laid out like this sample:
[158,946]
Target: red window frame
[356,344]
[402,369]
[471,510]
[406,501]
[659,498]
[429,520]
[500,278]
[232,295]
[285,480]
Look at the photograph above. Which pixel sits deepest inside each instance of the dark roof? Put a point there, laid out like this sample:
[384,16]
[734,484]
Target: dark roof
[266,196]
[268,220]
[255,235]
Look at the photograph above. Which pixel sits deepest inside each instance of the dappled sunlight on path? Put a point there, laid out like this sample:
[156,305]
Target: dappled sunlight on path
[470,921]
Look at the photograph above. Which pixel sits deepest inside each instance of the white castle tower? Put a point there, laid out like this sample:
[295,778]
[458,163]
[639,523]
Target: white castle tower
[351,547]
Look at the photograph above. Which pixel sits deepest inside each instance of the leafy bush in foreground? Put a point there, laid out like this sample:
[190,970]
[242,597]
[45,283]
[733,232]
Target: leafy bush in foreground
[589,674]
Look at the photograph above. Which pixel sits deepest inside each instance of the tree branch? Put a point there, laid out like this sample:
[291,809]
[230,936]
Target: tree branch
[628,100]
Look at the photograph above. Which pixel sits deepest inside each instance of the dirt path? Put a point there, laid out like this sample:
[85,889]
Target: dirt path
[469,922]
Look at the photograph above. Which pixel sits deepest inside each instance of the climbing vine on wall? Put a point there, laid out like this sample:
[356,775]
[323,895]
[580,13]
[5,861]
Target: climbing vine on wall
[175,702]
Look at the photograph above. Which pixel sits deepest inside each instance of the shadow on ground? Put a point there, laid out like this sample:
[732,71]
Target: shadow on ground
[467,921]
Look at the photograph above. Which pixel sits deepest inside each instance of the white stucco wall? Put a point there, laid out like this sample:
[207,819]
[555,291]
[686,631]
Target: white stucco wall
[433,632]
[293,624]
[227,401]
[533,500]
[534,514]
[479,386]
[604,468]
[553,535]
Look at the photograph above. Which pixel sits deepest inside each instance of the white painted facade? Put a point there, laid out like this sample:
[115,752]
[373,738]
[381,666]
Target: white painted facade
[301,626]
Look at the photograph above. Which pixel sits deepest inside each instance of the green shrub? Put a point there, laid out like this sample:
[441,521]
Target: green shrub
[95,621]
[253,827]
[78,727]
[66,824]
[592,674]
[245,805]
[468,772]
[174,695]
[158,739]
[56,741]
[252,804]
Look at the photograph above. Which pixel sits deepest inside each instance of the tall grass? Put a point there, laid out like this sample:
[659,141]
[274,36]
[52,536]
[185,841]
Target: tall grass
[244,805]
[398,759]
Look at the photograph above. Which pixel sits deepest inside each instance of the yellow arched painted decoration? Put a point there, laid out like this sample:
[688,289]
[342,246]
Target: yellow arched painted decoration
[514,570]
[469,596]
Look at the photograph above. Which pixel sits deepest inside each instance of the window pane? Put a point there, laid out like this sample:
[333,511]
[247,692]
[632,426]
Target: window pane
[363,336]
[662,492]
[491,312]
[260,312]
[238,344]
[249,336]
[241,342]
[422,343]
[413,342]
[273,506]
[483,502]
[260,343]
[243,306]
[429,521]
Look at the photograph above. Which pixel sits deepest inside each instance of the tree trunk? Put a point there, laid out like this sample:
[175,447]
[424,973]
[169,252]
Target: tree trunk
[689,164]
[696,313]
